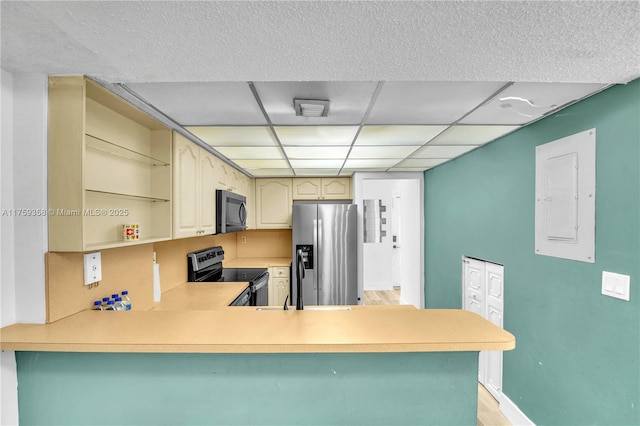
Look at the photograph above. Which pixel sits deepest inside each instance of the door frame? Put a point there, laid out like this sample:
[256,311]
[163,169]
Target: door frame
[358,181]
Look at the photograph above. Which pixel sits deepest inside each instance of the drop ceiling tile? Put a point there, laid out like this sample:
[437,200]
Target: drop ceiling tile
[370,163]
[408,169]
[349,172]
[235,135]
[471,135]
[397,135]
[513,105]
[348,100]
[203,104]
[316,164]
[251,152]
[420,162]
[262,164]
[442,151]
[316,135]
[419,102]
[257,172]
[317,172]
[381,151]
[317,152]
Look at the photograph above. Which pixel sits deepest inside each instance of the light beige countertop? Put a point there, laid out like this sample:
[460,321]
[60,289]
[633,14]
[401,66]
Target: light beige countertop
[195,318]
[247,330]
[257,262]
[200,296]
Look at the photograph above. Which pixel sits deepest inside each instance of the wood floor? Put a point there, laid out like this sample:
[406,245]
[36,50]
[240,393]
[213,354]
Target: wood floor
[382,297]
[488,408]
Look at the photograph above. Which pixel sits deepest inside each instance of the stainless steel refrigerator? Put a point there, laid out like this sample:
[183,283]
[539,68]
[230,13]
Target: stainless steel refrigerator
[326,234]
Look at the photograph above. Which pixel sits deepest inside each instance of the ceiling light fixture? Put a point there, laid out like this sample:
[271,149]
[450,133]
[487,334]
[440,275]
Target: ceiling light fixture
[522,106]
[311,107]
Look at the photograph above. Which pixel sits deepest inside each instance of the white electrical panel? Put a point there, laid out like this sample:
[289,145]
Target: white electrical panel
[565,197]
[92,268]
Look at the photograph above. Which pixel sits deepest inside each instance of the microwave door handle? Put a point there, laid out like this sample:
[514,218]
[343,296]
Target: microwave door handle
[243,213]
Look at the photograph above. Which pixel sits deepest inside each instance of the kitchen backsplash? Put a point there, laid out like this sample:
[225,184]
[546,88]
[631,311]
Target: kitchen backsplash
[264,243]
[131,268]
[125,268]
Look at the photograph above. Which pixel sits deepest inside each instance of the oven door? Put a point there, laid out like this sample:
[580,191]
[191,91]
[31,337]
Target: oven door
[244,299]
[260,291]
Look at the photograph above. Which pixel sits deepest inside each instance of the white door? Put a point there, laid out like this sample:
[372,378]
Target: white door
[495,307]
[474,300]
[396,240]
[483,293]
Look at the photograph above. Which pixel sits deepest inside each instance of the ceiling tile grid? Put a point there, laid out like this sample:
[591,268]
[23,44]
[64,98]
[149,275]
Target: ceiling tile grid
[370,126]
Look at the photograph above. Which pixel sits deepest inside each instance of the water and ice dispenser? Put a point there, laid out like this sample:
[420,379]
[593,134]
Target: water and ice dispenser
[307,254]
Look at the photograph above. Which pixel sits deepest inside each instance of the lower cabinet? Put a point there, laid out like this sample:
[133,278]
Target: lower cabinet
[278,285]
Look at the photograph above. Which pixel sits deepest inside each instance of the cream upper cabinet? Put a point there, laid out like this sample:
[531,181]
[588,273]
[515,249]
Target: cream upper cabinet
[229,179]
[336,188]
[306,188]
[208,168]
[273,203]
[223,176]
[186,158]
[109,166]
[322,188]
[194,181]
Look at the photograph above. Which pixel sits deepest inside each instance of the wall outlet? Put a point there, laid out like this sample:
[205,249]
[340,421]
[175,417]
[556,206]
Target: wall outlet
[615,285]
[243,240]
[92,268]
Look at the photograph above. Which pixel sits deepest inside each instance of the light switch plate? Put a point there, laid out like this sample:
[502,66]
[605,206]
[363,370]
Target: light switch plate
[615,285]
[92,268]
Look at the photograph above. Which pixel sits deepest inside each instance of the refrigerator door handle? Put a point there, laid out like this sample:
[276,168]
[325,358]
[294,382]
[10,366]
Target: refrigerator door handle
[318,259]
[315,249]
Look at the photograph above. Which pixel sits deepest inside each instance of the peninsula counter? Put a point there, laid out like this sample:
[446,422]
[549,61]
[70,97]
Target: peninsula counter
[238,365]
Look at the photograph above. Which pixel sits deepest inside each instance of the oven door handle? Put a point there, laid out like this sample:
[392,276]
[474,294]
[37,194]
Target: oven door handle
[245,300]
[263,281]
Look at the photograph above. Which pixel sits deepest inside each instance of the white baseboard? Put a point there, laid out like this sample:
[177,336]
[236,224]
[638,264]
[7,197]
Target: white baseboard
[378,286]
[513,413]
[404,302]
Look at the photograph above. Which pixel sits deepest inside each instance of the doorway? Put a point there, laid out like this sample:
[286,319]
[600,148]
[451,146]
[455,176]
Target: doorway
[392,263]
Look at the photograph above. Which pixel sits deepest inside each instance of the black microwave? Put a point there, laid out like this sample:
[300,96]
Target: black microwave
[231,212]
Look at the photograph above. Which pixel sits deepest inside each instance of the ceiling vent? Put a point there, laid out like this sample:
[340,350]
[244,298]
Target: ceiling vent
[311,108]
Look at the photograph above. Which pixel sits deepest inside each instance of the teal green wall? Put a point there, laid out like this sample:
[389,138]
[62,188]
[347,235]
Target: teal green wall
[578,352]
[250,389]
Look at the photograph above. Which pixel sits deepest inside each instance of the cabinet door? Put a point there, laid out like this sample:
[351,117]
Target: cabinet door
[306,189]
[336,189]
[235,180]
[185,188]
[281,291]
[273,203]
[207,213]
[223,175]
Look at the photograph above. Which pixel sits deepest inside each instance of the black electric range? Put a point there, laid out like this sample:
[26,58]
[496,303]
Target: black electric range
[206,266]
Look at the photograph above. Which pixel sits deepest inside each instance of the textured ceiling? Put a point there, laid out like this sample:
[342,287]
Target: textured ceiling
[459,73]
[140,41]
